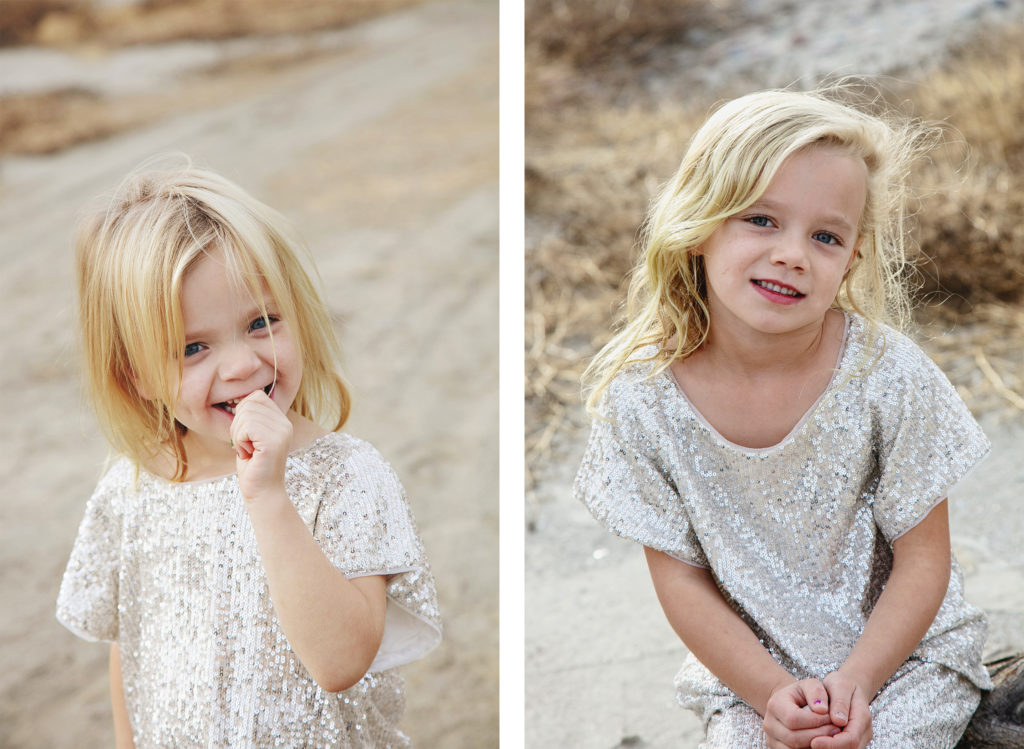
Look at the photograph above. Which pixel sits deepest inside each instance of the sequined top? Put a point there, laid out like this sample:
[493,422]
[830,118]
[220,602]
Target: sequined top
[798,535]
[172,573]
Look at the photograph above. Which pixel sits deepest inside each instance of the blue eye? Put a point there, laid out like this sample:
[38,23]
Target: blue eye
[759,221]
[826,238]
[191,349]
[262,323]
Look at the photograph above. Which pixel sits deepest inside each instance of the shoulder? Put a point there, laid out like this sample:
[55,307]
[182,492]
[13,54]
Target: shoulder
[119,478]
[637,385]
[345,461]
[888,356]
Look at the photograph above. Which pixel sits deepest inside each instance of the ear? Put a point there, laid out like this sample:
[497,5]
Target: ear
[853,256]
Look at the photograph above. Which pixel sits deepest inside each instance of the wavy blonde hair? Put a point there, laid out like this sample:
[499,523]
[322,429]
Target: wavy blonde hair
[131,258]
[728,166]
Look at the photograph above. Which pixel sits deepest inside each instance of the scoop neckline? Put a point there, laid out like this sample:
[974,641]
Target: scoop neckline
[848,323]
[234,474]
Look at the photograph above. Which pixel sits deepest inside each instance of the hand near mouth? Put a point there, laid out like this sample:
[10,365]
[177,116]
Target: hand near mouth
[261,434]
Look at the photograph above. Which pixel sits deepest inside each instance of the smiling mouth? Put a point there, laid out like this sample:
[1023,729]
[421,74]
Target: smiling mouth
[776,288]
[230,405]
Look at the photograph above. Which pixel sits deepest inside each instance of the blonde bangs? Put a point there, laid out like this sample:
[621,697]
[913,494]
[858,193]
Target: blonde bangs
[131,260]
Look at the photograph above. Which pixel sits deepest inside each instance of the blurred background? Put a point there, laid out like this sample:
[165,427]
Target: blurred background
[373,126]
[614,89]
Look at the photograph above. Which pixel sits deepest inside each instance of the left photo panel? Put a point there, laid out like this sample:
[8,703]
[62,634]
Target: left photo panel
[250,263]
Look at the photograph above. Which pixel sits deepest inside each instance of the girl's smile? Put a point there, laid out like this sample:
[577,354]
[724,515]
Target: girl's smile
[776,266]
[231,351]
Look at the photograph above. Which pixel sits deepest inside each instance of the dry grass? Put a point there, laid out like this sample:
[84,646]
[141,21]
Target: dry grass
[592,168]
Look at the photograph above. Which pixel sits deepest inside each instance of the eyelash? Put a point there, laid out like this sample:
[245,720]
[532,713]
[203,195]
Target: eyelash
[833,239]
[191,349]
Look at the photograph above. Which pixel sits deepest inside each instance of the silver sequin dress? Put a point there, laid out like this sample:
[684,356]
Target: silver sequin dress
[172,573]
[799,535]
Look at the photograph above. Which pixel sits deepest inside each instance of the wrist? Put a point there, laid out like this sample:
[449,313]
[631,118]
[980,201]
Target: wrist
[777,684]
[861,678]
[269,499]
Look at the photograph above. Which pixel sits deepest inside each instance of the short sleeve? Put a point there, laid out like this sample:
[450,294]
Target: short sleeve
[88,598]
[927,441]
[365,527]
[624,482]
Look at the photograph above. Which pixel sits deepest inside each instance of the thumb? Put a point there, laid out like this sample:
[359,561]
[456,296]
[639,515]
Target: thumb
[816,696]
[839,709]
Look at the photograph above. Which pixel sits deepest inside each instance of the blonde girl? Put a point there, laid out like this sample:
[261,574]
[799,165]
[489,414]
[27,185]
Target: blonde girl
[256,571]
[781,452]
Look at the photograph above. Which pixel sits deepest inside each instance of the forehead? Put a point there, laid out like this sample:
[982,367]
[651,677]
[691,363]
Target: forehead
[820,181]
[214,284]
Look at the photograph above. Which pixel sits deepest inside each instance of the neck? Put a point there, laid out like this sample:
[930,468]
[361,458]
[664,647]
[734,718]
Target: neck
[755,354]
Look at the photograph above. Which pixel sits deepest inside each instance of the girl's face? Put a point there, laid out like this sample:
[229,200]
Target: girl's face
[776,267]
[228,354]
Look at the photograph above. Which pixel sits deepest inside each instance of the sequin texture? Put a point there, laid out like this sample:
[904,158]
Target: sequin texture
[797,535]
[172,573]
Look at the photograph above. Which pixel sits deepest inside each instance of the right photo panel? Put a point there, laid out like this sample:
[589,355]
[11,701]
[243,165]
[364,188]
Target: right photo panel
[774,354]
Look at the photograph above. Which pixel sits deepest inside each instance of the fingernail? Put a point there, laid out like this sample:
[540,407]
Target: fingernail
[834,732]
[841,716]
[817,702]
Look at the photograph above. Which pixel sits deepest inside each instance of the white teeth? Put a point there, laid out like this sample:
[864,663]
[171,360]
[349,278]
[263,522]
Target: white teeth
[230,405]
[776,288]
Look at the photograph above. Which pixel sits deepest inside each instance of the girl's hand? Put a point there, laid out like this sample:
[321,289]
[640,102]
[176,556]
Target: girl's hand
[261,435]
[848,708]
[796,714]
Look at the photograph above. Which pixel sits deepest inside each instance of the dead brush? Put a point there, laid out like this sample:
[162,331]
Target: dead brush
[972,222]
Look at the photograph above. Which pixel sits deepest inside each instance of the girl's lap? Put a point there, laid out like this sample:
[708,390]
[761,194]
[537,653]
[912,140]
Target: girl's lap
[924,706]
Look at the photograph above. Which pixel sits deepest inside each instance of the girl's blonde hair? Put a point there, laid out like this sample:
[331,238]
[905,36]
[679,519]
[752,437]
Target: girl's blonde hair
[131,259]
[728,166]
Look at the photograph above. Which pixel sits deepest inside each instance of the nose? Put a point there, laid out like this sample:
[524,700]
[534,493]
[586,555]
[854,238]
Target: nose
[239,361]
[789,251]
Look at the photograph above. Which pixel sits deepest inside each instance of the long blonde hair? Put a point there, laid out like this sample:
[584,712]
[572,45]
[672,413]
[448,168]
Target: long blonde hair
[131,258]
[729,164]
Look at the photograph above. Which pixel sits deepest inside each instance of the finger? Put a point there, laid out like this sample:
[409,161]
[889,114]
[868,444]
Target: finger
[805,738]
[843,740]
[799,719]
[816,694]
[839,707]
[860,722]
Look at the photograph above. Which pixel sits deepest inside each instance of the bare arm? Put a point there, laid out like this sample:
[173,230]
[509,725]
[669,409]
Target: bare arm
[334,624]
[715,633]
[795,712]
[899,621]
[909,603]
[122,727]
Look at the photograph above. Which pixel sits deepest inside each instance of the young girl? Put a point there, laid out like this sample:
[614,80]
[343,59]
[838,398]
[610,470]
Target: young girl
[257,572]
[781,453]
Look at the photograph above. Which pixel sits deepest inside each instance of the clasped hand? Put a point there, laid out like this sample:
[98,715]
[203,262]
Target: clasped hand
[828,714]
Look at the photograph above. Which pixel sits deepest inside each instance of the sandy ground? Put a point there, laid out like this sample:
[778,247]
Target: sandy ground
[600,656]
[383,151]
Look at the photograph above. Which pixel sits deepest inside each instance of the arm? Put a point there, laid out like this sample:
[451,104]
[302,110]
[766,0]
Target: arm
[903,614]
[334,625]
[122,727]
[724,643]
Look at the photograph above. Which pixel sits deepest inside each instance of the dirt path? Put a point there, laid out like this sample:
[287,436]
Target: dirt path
[383,151]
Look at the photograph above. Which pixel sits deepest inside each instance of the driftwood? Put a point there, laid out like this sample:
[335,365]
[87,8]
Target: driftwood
[998,722]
